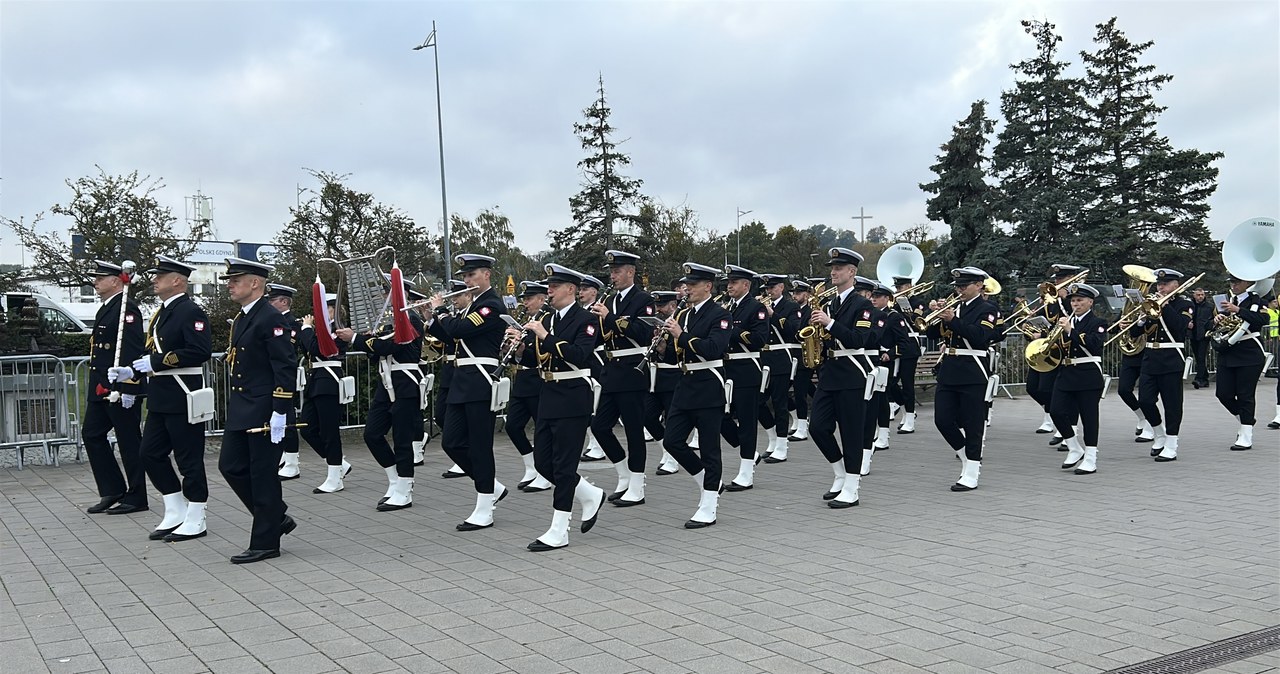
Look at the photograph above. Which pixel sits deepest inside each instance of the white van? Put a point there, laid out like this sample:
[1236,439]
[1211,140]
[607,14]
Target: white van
[56,316]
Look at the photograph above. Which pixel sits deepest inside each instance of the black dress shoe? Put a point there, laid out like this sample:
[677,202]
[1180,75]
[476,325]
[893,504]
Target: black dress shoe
[385,507]
[588,524]
[959,487]
[250,556]
[1234,448]
[1055,441]
[177,537]
[420,463]
[698,525]
[664,471]
[773,460]
[1273,425]
[902,432]
[534,490]
[1156,452]
[126,508]
[539,546]
[841,504]
[284,478]
[450,474]
[760,458]
[525,483]
[467,526]
[592,458]
[1144,439]
[1163,459]
[1041,430]
[1081,471]
[830,495]
[627,504]
[287,525]
[101,506]
[1195,385]
[1137,431]
[159,534]
[734,486]
[616,495]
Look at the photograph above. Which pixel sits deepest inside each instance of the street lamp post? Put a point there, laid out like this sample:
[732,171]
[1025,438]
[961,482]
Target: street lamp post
[444,204]
[738,227]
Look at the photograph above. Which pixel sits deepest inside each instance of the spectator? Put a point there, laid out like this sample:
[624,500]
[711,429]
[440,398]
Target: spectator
[1202,311]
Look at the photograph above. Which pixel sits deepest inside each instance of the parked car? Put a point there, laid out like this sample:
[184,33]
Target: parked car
[57,317]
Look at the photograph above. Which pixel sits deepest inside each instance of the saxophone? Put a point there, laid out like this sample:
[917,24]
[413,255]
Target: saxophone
[813,336]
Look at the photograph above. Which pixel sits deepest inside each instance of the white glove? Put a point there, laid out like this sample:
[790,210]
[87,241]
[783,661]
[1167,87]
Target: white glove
[143,364]
[115,374]
[277,427]
[127,400]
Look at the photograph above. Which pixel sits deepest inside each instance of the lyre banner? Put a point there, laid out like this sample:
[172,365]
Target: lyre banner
[324,338]
[404,331]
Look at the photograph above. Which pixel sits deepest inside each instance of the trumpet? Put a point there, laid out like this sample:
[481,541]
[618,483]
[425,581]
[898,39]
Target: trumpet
[446,297]
[923,322]
[1150,307]
[913,291]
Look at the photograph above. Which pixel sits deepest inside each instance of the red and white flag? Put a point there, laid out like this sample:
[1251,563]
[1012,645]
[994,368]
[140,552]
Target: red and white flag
[324,338]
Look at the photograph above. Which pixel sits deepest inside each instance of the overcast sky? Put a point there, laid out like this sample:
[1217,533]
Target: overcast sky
[801,112]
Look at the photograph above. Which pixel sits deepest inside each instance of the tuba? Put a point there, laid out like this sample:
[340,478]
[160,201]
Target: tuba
[1142,278]
[812,336]
[901,259]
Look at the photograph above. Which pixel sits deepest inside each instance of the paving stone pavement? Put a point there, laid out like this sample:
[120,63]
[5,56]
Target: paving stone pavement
[1037,570]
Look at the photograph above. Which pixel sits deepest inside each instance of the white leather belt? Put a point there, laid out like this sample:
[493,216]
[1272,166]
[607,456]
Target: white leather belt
[703,365]
[405,367]
[840,353]
[1082,361]
[450,358]
[623,353]
[964,352]
[181,372]
[568,374]
[742,355]
[1164,345]
[780,347]
[326,363]
[478,360]
[666,366]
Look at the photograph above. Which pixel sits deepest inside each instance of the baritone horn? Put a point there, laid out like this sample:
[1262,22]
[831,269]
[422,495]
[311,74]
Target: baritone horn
[1142,278]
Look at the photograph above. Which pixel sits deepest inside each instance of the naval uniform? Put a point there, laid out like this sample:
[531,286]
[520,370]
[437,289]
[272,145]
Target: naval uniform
[802,383]
[1040,384]
[842,379]
[698,401]
[526,389]
[467,435]
[623,387]
[397,399]
[564,406]
[902,378]
[1240,364]
[101,416]
[779,355]
[178,346]
[321,409]
[750,326]
[665,376]
[960,402]
[1163,361]
[1078,387]
[262,361]
[290,443]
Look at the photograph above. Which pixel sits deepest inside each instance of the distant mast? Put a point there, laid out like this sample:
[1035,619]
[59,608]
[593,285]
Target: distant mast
[199,211]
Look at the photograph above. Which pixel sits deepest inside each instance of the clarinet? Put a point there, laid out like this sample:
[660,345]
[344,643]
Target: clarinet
[509,356]
[643,365]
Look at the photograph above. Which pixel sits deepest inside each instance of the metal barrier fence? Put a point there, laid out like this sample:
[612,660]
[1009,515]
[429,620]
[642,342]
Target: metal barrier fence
[34,409]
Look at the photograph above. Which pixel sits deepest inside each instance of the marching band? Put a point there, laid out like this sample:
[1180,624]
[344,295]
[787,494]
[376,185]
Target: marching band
[681,367]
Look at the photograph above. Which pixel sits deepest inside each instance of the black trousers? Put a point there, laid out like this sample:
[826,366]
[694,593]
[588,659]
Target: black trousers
[1040,387]
[249,463]
[960,414]
[1167,388]
[772,411]
[100,417]
[1236,390]
[902,383]
[1200,351]
[680,423]
[468,440]
[437,410]
[404,419]
[628,406]
[166,433]
[1083,405]
[655,412]
[1128,381]
[802,391]
[322,416]
[557,449]
[519,412]
[738,427]
[846,408]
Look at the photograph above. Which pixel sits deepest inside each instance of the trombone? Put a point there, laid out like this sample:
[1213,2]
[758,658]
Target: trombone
[446,297]
[1048,293]
[913,291]
[1150,306]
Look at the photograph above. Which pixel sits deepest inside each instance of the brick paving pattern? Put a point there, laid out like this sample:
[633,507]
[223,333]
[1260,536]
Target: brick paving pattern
[1037,570]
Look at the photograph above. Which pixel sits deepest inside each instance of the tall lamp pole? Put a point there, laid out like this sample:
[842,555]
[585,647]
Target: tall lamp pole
[739,229]
[444,203]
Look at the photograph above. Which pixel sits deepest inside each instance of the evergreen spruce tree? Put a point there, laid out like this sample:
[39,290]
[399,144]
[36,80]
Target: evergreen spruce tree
[962,199]
[1036,157]
[1150,200]
[601,206]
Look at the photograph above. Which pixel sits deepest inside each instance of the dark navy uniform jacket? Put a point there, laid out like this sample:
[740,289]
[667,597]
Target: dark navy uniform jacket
[782,330]
[1247,351]
[178,338]
[1087,338]
[851,330]
[381,344]
[973,328]
[706,337]
[477,334]
[527,381]
[1177,318]
[263,367]
[321,381]
[750,333]
[624,330]
[567,346]
[898,336]
[102,350]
